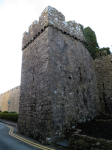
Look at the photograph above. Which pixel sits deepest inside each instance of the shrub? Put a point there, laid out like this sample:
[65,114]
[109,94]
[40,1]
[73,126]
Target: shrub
[12,112]
[91,43]
[5,111]
[9,116]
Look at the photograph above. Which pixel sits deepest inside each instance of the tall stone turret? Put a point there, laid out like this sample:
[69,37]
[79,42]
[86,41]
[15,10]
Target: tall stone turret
[58,83]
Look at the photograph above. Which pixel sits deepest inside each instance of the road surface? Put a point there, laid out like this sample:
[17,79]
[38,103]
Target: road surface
[10,140]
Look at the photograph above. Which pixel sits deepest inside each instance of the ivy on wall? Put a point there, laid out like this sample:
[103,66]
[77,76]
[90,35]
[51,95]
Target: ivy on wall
[102,52]
[91,44]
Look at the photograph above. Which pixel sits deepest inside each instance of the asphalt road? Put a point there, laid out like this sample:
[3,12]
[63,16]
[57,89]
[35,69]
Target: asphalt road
[10,140]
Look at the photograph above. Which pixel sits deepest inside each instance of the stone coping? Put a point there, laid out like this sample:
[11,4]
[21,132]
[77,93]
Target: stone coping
[51,17]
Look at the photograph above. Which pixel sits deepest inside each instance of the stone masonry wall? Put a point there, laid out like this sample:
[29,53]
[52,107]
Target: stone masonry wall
[4,100]
[73,91]
[13,96]
[34,115]
[103,67]
[58,82]
[84,142]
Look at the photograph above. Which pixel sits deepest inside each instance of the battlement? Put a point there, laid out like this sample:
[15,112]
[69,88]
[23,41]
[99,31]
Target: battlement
[51,17]
[17,87]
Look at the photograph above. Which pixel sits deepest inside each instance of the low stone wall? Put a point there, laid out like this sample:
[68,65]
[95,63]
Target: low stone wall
[84,142]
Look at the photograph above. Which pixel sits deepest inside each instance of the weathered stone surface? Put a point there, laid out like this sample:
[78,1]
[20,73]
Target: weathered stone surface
[58,82]
[86,142]
[68,68]
[103,67]
[51,17]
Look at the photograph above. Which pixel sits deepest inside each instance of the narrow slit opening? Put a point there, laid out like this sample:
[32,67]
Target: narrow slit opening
[70,78]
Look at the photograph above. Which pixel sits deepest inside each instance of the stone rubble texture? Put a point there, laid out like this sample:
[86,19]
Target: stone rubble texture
[85,142]
[103,67]
[58,81]
[52,17]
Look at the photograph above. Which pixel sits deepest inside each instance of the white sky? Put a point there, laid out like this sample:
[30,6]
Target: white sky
[17,15]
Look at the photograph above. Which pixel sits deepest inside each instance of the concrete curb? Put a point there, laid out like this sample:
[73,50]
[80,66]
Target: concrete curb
[9,123]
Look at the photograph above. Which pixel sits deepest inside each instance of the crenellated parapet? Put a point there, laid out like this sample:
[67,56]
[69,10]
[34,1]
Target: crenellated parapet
[58,82]
[52,17]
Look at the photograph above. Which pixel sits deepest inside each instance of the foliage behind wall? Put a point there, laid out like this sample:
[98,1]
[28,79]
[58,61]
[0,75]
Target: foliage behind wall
[92,45]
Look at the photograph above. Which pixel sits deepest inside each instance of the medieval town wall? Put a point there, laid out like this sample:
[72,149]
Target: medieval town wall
[58,81]
[73,91]
[103,68]
[13,96]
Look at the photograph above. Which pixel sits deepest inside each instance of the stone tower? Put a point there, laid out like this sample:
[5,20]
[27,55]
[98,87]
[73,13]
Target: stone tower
[58,83]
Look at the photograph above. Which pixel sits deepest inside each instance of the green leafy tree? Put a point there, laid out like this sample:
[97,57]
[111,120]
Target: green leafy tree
[102,52]
[91,44]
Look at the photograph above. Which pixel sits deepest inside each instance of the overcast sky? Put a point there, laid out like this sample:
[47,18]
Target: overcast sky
[17,15]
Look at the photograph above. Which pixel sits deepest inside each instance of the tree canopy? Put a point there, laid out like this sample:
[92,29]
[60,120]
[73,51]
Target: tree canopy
[91,44]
